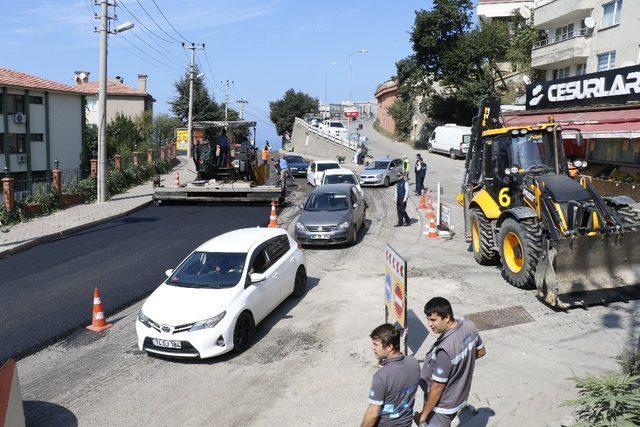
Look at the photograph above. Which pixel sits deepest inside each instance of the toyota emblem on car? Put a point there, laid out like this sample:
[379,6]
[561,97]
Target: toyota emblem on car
[165,328]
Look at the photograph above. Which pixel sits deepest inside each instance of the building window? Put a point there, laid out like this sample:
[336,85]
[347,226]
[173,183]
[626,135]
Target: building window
[37,137]
[607,61]
[92,103]
[581,69]
[611,13]
[36,100]
[561,73]
[16,143]
[564,33]
[16,104]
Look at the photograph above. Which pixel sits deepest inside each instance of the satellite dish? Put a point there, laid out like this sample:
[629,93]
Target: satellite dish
[589,22]
[525,12]
[526,79]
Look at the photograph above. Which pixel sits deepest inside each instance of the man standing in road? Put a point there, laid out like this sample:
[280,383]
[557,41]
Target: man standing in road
[448,367]
[420,169]
[405,167]
[402,194]
[394,385]
[223,142]
[265,153]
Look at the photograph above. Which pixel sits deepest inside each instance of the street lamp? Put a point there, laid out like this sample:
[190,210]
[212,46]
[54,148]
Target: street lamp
[326,67]
[102,95]
[350,68]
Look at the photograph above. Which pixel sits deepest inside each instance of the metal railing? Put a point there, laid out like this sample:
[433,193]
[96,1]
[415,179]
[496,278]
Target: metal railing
[582,32]
[350,144]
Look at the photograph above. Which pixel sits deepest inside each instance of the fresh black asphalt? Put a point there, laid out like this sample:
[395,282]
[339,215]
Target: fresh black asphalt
[46,292]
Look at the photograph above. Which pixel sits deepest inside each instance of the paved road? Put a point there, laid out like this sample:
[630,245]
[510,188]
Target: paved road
[46,292]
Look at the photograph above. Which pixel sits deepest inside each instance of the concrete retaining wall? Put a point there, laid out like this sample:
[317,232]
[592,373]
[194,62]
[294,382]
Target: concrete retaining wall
[308,141]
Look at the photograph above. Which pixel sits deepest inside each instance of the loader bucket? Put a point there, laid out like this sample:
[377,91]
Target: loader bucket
[592,269]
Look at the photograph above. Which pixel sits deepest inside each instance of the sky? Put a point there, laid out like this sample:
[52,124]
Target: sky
[264,46]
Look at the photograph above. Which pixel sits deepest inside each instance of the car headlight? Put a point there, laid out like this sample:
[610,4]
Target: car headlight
[300,226]
[144,319]
[343,225]
[379,176]
[208,323]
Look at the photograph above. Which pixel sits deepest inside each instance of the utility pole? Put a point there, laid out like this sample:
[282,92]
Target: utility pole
[242,103]
[226,84]
[102,92]
[192,72]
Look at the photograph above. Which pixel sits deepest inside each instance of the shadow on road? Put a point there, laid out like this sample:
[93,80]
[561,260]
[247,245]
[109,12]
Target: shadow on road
[418,333]
[38,413]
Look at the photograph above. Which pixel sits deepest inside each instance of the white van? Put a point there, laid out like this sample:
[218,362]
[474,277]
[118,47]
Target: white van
[450,139]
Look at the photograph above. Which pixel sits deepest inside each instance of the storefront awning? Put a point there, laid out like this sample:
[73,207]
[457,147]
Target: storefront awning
[614,123]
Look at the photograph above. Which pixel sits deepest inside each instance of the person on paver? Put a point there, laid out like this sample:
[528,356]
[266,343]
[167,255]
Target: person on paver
[405,167]
[402,194]
[448,366]
[223,142]
[420,169]
[394,385]
[265,153]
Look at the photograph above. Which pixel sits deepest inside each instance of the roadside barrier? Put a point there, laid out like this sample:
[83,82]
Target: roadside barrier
[273,218]
[177,181]
[11,409]
[98,322]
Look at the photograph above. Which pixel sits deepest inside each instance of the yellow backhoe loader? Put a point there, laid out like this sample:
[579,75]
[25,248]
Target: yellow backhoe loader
[550,231]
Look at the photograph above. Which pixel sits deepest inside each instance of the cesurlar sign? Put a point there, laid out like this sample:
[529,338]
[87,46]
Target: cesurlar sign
[613,86]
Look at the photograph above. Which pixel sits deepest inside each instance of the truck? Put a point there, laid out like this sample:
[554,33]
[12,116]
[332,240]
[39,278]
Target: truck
[450,139]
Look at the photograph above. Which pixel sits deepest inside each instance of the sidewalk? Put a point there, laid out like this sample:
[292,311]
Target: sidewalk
[67,221]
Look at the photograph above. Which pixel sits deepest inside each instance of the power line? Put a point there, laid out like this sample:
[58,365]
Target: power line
[165,18]
[213,76]
[154,21]
[171,66]
[141,23]
[163,53]
[136,55]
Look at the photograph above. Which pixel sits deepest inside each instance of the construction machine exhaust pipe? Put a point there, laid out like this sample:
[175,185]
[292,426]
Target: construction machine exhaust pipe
[582,270]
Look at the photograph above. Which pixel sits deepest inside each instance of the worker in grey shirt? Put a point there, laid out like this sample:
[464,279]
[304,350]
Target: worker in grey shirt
[448,367]
[394,385]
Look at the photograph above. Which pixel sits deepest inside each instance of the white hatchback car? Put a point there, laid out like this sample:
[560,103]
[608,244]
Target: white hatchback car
[317,167]
[341,176]
[211,303]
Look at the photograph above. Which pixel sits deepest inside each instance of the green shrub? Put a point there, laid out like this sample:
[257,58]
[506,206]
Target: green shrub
[88,187]
[607,400]
[48,199]
[629,361]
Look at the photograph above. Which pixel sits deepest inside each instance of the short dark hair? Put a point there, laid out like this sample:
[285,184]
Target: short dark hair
[439,306]
[387,334]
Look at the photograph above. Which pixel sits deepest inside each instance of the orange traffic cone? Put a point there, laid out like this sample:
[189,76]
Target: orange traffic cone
[430,228]
[273,218]
[423,201]
[177,181]
[99,323]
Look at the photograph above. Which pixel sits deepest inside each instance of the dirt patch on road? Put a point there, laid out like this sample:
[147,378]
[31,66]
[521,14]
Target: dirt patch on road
[280,345]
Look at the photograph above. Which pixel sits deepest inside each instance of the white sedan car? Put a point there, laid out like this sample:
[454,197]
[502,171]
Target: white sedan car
[211,303]
[317,167]
[341,176]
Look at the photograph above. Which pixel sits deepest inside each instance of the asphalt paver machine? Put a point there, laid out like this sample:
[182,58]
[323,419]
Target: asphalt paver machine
[242,178]
[550,231]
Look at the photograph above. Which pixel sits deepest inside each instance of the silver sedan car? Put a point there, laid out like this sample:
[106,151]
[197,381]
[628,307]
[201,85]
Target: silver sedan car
[381,172]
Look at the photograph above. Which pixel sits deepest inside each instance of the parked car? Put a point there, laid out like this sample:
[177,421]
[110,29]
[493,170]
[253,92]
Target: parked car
[314,121]
[381,172]
[341,176]
[211,303]
[334,128]
[332,215]
[450,139]
[314,172]
[297,165]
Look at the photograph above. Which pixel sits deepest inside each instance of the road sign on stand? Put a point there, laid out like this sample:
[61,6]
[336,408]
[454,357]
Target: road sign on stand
[395,291]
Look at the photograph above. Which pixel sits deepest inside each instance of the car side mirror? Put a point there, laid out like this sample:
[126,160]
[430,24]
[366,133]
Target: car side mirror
[257,277]
[169,272]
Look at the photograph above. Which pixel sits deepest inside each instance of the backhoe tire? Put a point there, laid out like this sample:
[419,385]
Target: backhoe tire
[520,245]
[482,239]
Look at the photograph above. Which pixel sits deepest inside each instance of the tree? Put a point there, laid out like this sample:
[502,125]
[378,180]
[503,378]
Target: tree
[293,104]
[204,105]
[144,124]
[122,135]
[163,127]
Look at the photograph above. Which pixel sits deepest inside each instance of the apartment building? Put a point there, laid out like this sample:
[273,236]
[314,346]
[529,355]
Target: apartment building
[585,36]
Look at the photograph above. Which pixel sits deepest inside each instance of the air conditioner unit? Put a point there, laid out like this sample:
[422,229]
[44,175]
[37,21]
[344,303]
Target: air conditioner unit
[21,158]
[19,118]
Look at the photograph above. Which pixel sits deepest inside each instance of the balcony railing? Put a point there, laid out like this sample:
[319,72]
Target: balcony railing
[582,32]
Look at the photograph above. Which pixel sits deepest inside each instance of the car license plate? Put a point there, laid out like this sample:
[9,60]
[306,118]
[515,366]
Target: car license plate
[321,236]
[167,343]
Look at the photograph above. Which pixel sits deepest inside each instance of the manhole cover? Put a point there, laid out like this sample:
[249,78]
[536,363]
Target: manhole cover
[495,319]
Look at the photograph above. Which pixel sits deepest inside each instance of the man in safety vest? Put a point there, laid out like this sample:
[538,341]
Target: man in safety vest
[405,167]
[265,153]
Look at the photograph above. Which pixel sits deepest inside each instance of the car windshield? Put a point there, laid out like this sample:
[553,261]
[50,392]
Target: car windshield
[326,202]
[326,166]
[532,149]
[340,179]
[213,270]
[378,165]
[294,159]
[336,125]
